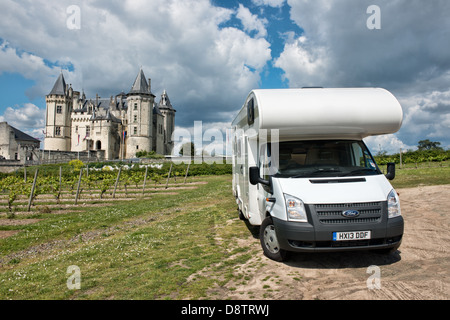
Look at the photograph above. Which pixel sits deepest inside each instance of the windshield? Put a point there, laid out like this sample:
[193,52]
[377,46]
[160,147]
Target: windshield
[334,158]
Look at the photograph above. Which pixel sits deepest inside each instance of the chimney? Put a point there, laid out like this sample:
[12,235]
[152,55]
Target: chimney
[149,85]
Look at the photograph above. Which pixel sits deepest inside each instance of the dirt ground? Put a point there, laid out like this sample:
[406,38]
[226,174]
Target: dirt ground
[420,269]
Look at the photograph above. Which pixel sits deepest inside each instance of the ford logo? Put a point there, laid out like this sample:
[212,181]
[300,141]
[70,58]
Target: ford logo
[350,213]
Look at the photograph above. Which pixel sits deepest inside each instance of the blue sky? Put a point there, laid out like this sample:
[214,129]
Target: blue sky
[208,55]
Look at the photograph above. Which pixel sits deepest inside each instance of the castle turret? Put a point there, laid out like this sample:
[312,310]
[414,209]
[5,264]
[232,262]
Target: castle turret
[166,109]
[140,101]
[58,122]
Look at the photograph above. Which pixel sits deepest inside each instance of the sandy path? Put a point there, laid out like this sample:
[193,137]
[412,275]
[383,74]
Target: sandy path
[419,270]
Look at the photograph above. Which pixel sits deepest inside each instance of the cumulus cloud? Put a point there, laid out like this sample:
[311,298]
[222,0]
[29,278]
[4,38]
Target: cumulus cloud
[251,22]
[387,143]
[28,116]
[407,56]
[180,44]
[427,117]
[270,3]
[303,64]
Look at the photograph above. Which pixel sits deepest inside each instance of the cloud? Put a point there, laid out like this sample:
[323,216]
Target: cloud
[427,117]
[28,116]
[252,22]
[386,143]
[270,3]
[303,64]
[30,66]
[180,44]
[408,56]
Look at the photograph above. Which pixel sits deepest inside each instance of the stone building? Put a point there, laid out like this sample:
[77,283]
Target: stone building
[17,145]
[120,126]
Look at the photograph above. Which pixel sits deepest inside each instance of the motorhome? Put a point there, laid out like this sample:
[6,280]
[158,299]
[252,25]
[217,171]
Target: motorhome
[303,174]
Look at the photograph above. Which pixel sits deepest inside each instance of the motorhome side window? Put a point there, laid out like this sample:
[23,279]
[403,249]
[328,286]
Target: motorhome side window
[251,112]
[324,158]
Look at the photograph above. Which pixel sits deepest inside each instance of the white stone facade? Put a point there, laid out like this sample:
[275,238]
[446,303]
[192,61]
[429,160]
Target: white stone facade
[121,125]
[17,145]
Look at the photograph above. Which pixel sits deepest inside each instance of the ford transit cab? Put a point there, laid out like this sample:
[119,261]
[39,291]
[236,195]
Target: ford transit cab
[302,172]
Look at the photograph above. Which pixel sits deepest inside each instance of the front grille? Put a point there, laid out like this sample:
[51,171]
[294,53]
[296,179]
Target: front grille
[369,212]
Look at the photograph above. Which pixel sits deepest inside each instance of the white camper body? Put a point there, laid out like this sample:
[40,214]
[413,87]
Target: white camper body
[302,172]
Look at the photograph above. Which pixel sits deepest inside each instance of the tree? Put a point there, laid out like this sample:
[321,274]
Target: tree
[429,145]
[187,149]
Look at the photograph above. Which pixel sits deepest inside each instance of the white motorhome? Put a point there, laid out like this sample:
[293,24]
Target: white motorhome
[302,172]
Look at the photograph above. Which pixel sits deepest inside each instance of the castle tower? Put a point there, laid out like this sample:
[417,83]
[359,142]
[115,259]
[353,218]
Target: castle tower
[58,121]
[165,107]
[140,101]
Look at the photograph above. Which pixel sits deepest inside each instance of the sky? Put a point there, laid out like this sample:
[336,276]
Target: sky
[209,54]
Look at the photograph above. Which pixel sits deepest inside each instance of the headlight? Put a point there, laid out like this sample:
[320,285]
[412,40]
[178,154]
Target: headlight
[295,209]
[393,204]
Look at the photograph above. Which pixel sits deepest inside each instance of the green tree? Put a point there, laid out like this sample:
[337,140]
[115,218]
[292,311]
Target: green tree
[429,145]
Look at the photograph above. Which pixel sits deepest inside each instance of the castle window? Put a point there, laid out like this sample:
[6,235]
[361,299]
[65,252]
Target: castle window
[135,130]
[135,106]
[76,129]
[58,131]
[135,118]
[88,131]
[58,109]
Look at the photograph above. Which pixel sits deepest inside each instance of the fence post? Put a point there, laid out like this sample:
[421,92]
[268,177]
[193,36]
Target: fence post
[145,179]
[401,165]
[78,187]
[187,171]
[32,189]
[117,182]
[60,179]
[168,176]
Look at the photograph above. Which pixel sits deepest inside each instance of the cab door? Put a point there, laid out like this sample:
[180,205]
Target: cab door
[263,163]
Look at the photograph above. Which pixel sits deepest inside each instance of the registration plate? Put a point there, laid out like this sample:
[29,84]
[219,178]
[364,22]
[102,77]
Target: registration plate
[353,235]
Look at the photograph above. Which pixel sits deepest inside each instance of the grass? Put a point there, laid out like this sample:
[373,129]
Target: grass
[163,248]
[176,246]
[423,176]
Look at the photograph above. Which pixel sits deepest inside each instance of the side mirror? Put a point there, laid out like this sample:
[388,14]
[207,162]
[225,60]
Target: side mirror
[255,178]
[390,175]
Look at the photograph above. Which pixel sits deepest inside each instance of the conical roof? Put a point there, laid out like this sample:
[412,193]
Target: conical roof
[164,103]
[140,85]
[60,86]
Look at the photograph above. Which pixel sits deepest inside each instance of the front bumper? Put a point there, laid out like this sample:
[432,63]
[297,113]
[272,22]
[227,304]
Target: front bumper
[317,235]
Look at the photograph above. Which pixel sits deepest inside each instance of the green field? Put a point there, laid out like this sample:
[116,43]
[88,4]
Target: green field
[149,249]
[178,245]
[423,176]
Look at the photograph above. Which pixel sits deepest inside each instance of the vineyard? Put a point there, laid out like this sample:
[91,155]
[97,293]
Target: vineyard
[46,187]
[415,158]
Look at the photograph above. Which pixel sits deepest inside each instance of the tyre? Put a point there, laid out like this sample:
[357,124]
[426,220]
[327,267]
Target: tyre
[269,241]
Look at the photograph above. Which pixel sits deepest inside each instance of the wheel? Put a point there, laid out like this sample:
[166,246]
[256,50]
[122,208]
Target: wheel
[269,241]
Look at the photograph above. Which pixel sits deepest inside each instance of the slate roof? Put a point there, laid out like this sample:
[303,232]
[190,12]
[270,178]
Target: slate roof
[140,85]
[22,136]
[60,86]
[164,103]
[108,116]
